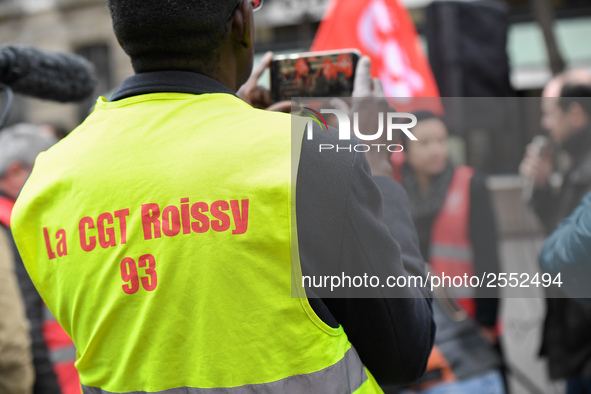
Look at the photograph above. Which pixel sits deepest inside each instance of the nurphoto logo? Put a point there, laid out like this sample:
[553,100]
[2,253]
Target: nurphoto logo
[388,122]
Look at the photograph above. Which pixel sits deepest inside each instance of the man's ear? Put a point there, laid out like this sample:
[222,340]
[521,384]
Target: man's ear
[242,24]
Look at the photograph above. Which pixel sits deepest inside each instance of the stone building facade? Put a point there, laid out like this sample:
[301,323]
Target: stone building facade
[84,27]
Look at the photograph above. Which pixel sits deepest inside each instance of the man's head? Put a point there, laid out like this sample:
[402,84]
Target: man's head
[19,147]
[563,117]
[212,37]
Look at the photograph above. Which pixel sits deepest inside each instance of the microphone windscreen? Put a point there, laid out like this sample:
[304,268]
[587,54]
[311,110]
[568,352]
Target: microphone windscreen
[46,75]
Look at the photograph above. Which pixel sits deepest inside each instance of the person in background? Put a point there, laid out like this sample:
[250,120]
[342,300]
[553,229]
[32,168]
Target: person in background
[16,364]
[210,309]
[452,210]
[566,341]
[568,127]
[53,351]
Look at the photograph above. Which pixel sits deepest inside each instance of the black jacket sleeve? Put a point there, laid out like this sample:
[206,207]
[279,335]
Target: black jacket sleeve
[346,215]
[567,252]
[483,236]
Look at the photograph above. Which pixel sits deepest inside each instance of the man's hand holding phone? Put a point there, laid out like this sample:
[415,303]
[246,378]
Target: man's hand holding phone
[257,95]
[368,101]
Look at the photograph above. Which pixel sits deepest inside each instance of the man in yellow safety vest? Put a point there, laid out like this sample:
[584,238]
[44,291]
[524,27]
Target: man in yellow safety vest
[163,236]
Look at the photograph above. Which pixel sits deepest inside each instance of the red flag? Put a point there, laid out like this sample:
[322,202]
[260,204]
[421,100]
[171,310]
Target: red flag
[382,30]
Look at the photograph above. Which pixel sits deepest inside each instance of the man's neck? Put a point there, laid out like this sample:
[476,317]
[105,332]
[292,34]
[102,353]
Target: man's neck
[168,81]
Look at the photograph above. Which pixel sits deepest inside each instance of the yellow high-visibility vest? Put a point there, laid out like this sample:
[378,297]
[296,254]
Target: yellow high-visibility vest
[161,234]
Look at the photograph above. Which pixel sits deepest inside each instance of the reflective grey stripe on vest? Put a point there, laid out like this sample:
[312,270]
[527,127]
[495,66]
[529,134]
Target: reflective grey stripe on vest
[61,355]
[344,377]
[452,252]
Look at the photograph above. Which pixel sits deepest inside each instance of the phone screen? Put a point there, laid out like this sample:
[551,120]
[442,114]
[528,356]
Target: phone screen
[313,75]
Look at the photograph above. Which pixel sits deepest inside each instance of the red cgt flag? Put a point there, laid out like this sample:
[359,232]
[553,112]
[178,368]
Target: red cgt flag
[382,30]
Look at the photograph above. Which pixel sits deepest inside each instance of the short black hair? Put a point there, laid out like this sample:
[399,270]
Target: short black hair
[576,93]
[171,34]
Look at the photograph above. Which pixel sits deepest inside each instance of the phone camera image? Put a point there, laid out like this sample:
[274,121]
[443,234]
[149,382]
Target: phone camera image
[313,75]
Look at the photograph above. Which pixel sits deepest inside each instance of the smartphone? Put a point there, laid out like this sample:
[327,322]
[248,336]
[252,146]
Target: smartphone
[313,74]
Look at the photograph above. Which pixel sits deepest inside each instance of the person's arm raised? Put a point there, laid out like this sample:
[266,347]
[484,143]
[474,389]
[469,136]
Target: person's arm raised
[393,336]
[257,95]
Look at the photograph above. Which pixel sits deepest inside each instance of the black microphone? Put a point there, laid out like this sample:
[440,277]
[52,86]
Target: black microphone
[46,75]
[543,143]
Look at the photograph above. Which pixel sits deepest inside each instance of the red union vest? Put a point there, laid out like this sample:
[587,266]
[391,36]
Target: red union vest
[451,249]
[62,352]
[162,235]
[451,253]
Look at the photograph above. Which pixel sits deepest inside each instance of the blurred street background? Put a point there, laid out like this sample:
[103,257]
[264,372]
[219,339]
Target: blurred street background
[523,41]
